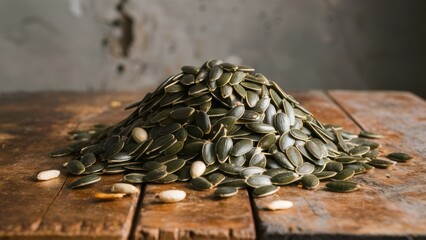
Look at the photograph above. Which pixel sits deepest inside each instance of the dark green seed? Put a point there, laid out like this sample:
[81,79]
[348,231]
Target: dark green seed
[84,181]
[399,156]
[342,186]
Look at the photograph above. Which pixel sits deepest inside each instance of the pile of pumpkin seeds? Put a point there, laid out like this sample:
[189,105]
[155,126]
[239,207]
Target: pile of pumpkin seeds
[227,127]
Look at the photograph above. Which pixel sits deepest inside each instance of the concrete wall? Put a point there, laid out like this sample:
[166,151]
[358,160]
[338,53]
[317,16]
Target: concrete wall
[302,44]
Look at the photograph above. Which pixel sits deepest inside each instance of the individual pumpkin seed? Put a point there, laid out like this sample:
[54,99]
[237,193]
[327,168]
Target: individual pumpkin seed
[357,167]
[258,160]
[241,147]
[314,149]
[184,173]
[119,157]
[359,150]
[342,186]
[152,165]
[190,69]
[200,183]
[230,168]
[134,178]
[194,131]
[75,167]
[381,163]
[224,192]
[174,149]
[267,141]
[298,134]
[305,168]
[197,169]
[285,178]
[124,188]
[233,182]
[224,79]
[265,191]
[260,127]
[368,134]
[237,77]
[203,122]
[294,156]
[334,166]
[310,181]
[345,159]
[215,73]
[88,159]
[113,149]
[399,156]
[325,174]
[249,171]
[171,196]
[174,165]
[285,142]
[208,153]
[60,152]
[278,205]
[252,99]
[345,174]
[288,109]
[223,148]
[340,140]
[283,160]
[216,178]
[274,171]
[182,113]
[84,181]
[48,175]
[95,168]
[256,181]
[154,175]
[239,161]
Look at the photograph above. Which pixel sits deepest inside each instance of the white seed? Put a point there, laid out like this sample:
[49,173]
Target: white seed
[139,134]
[48,174]
[197,169]
[171,196]
[124,188]
[278,205]
[109,196]
[65,164]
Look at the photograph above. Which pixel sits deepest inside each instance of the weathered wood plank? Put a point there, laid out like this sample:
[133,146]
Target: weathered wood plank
[401,117]
[199,216]
[372,212]
[31,125]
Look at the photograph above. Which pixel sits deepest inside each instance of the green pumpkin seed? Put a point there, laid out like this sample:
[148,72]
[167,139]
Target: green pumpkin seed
[260,127]
[216,178]
[284,178]
[201,184]
[182,113]
[236,183]
[265,191]
[367,134]
[61,152]
[345,174]
[305,168]
[224,192]
[230,168]
[334,166]
[399,156]
[267,141]
[310,181]
[75,167]
[325,174]
[258,160]
[215,73]
[382,163]
[342,186]
[359,150]
[155,175]
[169,178]
[84,181]
[283,160]
[88,159]
[241,147]
[134,178]
[314,149]
[174,165]
[223,148]
[256,181]
[298,134]
[294,156]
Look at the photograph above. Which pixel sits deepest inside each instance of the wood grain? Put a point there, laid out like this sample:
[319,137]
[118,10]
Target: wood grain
[199,216]
[34,124]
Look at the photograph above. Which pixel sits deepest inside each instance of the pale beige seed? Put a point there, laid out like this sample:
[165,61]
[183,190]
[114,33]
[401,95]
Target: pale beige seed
[171,196]
[278,205]
[48,174]
[139,134]
[197,169]
[124,188]
[109,196]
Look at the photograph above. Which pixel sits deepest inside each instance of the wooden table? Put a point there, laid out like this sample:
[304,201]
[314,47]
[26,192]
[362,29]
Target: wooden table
[391,203]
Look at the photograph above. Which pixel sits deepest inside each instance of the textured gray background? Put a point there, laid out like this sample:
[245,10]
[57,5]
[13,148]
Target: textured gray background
[93,45]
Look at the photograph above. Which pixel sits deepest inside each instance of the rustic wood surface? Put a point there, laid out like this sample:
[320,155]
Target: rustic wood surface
[391,204]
